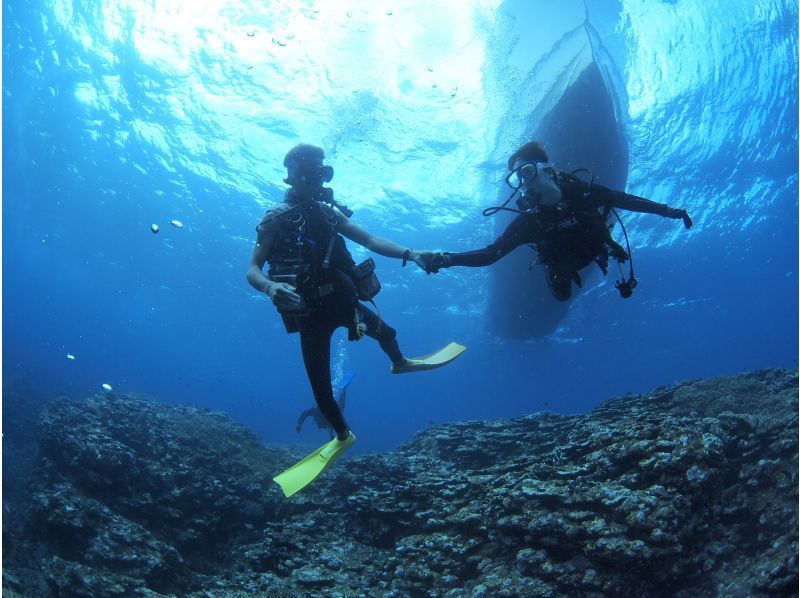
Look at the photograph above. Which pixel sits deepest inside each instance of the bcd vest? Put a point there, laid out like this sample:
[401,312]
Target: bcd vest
[577,234]
[306,251]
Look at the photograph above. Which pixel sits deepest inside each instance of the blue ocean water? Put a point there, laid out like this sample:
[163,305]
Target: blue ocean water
[119,115]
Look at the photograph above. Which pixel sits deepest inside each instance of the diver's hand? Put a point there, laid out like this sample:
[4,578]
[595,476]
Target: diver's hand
[284,296]
[683,215]
[424,258]
[437,263]
[619,254]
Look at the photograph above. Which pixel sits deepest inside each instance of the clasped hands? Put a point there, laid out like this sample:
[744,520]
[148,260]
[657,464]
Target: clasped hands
[430,261]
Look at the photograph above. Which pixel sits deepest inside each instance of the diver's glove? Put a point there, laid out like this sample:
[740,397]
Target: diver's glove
[442,260]
[683,215]
[618,253]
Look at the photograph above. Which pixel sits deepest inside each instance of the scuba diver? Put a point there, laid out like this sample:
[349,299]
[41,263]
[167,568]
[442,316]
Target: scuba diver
[316,415]
[317,287]
[565,219]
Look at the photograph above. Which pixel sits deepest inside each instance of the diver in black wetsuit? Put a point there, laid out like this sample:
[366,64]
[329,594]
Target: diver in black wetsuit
[564,218]
[313,280]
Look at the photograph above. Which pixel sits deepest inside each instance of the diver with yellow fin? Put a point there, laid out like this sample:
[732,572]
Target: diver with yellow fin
[317,287]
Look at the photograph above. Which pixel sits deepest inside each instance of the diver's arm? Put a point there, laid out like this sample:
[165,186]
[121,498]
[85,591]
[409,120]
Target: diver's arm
[255,274]
[603,196]
[281,293]
[380,245]
[473,259]
[522,230]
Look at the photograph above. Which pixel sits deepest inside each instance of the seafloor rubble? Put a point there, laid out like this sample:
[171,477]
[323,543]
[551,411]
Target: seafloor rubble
[690,490]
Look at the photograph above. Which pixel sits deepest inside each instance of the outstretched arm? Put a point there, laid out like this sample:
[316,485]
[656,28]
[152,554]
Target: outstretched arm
[380,245]
[633,203]
[523,229]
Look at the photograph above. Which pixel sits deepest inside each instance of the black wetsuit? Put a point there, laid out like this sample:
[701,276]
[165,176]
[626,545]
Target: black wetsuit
[320,420]
[301,241]
[568,236]
[315,341]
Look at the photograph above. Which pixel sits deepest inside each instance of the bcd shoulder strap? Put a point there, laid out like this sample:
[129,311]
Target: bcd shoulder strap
[273,214]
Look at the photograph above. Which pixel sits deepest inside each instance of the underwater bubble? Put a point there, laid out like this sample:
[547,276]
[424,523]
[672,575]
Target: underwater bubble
[106,387]
[251,33]
[280,41]
[70,356]
[154,228]
[389,13]
[176,223]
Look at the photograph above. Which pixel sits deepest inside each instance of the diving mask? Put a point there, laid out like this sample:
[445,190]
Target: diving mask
[316,174]
[526,173]
[325,173]
[537,184]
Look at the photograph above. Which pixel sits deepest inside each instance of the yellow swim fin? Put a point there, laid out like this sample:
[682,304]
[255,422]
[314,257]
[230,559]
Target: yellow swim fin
[301,474]
[435,360]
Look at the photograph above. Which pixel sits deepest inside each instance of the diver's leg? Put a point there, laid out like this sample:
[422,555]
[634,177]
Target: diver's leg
[315,342]
[383,333]
[559,281]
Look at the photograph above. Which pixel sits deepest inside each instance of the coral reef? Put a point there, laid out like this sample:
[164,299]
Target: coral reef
[689,490]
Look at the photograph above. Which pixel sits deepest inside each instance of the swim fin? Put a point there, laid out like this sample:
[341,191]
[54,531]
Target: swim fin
[435,360]
[301,474]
